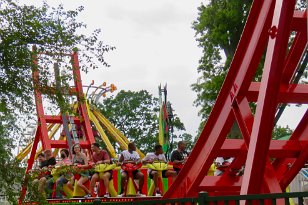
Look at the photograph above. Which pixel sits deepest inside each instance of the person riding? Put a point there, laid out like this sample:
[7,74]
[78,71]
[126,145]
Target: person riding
[65,161]
[80,159]
[179,156]
[40,159]
[131,156]
[100,156]
[45,181]
[158,155]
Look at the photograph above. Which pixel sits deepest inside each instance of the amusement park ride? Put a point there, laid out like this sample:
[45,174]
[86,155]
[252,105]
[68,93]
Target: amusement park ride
[274,28]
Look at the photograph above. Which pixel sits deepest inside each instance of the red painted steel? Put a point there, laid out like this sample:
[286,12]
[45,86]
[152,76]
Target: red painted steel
[267,29]
[39,103]
[267,100]
[81,99]
[43,120]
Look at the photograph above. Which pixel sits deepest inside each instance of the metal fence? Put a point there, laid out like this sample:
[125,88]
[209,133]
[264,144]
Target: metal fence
[254,199]
[204,199]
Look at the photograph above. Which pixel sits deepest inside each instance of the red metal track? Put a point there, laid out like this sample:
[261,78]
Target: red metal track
[267,29]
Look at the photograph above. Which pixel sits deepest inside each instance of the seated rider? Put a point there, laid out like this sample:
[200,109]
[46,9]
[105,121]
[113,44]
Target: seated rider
[131,156]
[80,159]
[100,156]
[179,156]
[46,180]
[65,161]
[158,156]
[40,159]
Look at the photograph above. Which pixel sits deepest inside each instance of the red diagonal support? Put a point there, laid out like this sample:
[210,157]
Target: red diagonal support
[39,102]
[81,99]
[287,168]
[266,108]
[245,120]
[294,56]
[299,21]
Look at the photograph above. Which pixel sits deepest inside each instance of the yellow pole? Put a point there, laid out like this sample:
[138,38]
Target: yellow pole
[114,132]
[103,135]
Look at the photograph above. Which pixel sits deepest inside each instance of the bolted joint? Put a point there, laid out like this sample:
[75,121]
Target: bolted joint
[273,32]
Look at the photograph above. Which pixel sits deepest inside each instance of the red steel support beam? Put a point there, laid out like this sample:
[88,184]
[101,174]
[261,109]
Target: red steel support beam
[293,93]
[63,144]
[245,63]
[30,164]
[245,120]
[295,54]
[81,98]
[58,119]
[299,21]
[39,101]
[237,148]
[267,100]
[220,183]
[287,168]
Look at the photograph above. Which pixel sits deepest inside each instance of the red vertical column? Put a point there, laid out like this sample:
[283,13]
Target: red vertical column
[267,100]
[145,184]
[39,102]
[115,180]
[81,99]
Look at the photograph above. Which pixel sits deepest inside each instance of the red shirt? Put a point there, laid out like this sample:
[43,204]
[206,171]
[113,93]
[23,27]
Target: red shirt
[102,155]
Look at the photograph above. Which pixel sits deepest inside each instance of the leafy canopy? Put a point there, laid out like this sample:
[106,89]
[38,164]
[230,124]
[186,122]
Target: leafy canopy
[218,29]
[135,114]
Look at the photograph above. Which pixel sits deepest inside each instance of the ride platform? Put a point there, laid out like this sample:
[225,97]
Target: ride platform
[101,199]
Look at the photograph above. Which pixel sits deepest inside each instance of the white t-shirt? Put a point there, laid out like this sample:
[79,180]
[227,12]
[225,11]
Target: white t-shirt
[134,156]
[153,156]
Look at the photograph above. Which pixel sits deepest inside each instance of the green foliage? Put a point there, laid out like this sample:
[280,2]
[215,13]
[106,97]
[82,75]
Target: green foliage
[281,132]
[135,114]
[218,30]
[11,173]
[189,140]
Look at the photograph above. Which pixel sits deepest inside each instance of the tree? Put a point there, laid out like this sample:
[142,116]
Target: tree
[135,114]
[189,140]
[282,132]
[52,30]
[218,29]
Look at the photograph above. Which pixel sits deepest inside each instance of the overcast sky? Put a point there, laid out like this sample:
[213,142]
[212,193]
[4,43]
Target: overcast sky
[154,44]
